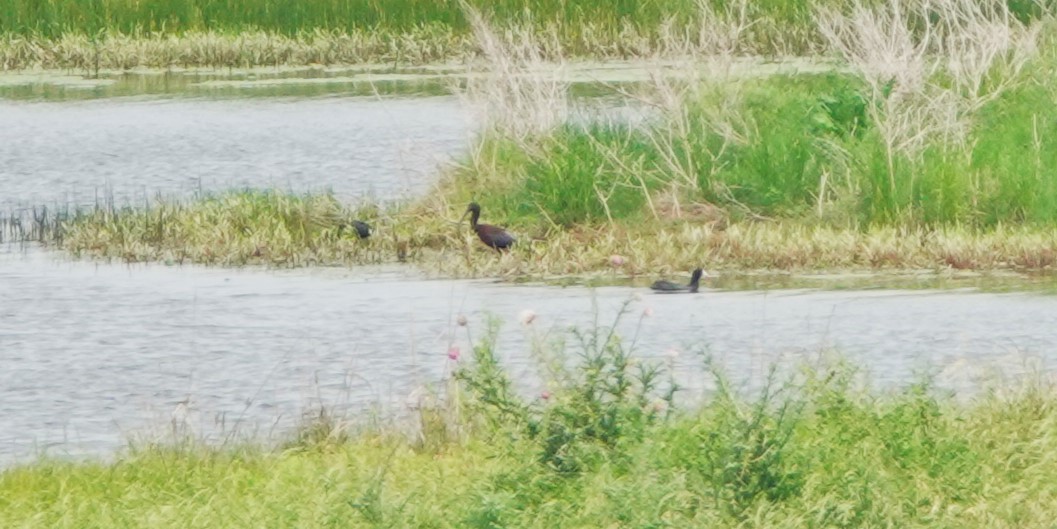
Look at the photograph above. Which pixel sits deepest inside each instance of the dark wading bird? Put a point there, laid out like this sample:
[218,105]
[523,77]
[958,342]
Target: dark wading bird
[667,287]
[363,230]
[492,236]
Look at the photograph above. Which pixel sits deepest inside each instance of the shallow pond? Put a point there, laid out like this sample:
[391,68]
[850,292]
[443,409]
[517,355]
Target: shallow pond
[92,354]
[132,149]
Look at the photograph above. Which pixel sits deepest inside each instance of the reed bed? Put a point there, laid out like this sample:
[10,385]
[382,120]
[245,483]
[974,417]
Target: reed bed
[609,442]
[245,49]
[154,32]
[124,34]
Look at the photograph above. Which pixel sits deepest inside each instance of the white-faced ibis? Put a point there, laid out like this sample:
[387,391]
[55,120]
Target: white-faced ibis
[667,287]
[492,236]
[363,230]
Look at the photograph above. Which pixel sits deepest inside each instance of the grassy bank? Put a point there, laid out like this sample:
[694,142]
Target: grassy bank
[278,229]
[608,444]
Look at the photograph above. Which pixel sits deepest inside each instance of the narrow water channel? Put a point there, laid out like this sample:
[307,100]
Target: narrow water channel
[93,353]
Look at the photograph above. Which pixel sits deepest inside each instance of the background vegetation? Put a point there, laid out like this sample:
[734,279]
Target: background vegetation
[166,33]
[53,18]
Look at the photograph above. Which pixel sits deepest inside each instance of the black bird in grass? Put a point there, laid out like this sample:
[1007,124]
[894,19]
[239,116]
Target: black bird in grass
[667,287]
[492,236]
[363,230]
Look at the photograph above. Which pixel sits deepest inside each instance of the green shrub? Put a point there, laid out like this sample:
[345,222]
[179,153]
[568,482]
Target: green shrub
[604,404]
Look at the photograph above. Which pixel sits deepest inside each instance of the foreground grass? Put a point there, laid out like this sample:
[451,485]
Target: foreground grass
[821,456]
[608,443]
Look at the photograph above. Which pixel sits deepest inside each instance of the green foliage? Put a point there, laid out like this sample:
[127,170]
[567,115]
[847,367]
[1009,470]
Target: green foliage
[793,147]
[603,404]
[486,381]
[584,175]
[577,175]
[748,453]
[575,181]
[54,17]
[1013,161]
[776,170]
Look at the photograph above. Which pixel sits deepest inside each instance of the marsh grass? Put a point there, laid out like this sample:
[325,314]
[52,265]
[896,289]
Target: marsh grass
[579,18]
[236,228]
[161,32]
[122,34]
[816,446]
[277,229]
[249,48]
[802,147]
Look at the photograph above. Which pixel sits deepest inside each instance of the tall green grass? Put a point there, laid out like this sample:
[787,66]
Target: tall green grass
[582,25]
[803,147]
[569,181]
[55,17]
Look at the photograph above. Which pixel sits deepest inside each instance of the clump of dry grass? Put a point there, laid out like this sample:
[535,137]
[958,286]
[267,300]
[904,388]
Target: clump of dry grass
[523,93]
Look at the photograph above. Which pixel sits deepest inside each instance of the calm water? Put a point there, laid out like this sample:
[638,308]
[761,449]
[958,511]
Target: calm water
[134,149]
[94,354]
